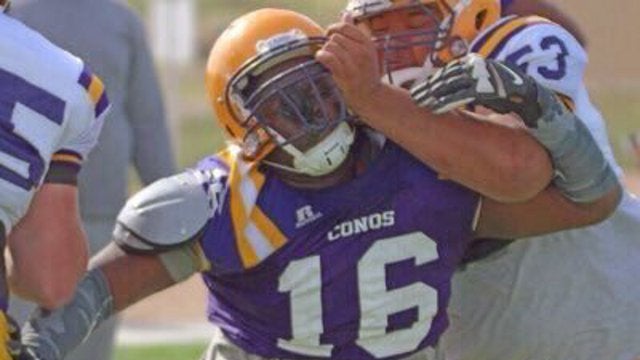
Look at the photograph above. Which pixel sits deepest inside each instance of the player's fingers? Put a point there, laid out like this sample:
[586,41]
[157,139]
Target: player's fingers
[424,97]
[441,88]
[452,102]
[350,31]
[420,93]
[360,55]
[331,62]
[347,18]
[342,54]
[452,85]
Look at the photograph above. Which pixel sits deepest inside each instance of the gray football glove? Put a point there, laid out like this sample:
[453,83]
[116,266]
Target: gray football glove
[473,80]
[583,173]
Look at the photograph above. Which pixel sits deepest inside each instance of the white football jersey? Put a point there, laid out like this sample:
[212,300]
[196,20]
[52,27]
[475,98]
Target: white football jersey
[51,113]
[552,56]
[568,295]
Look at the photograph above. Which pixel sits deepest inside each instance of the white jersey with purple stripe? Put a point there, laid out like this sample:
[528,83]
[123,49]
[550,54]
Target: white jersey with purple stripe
[568,295]
[552,56]
[361,270]
[51,111]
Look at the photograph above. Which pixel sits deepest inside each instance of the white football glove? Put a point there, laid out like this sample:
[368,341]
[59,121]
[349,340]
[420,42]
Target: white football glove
[473,80]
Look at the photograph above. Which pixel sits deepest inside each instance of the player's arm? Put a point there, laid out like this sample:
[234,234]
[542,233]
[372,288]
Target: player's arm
[156,244]
[48,247]
[548,212]
[586,188]
[545,9]
[583,174]
[117,279]
[499,161]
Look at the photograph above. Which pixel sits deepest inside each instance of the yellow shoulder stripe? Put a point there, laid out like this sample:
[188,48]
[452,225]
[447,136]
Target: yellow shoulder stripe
[96,89]
[255,234]
[500,36]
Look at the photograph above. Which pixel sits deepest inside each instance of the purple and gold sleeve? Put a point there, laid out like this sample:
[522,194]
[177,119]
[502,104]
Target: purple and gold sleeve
[64,168]
[83,129]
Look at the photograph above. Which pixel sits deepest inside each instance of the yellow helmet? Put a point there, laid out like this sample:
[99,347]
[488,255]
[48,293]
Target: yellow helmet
[268,91]
[465,20]
[412,34]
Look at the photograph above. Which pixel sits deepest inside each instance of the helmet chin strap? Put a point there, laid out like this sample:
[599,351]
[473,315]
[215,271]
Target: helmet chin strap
[321,159]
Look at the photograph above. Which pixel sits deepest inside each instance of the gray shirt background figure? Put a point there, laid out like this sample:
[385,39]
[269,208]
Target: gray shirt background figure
[110,37]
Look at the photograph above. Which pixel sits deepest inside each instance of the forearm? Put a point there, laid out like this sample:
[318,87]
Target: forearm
[583,174]
[500,161]
[52,335]
[47,278]
[48,248]
[116,281]
[548,212]
[130,277]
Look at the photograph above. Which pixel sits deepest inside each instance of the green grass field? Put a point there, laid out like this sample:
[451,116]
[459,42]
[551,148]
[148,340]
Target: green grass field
[167,352]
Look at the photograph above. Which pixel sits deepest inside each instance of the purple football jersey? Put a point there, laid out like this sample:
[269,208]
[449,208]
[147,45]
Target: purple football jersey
[505,4]
[364,272]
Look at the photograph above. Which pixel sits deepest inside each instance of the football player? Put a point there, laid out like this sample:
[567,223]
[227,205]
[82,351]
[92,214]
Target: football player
[51,112]
[316,238]
[546,9]
[552,289]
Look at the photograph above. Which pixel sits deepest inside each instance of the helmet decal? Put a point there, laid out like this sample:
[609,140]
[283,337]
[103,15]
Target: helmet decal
[279,40]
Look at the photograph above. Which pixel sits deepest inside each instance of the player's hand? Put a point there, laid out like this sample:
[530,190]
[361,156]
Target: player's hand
[351,56]
[473,80]
[14,348]
[27,354]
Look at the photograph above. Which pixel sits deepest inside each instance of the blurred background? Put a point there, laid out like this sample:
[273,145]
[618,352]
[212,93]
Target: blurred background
[172,324]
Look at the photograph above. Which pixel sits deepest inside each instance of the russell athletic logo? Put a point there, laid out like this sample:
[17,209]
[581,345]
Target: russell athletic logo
[306,215]
[362,224]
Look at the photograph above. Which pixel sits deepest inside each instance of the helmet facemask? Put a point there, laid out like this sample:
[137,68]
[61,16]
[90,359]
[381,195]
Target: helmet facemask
[286,98]
[406,33]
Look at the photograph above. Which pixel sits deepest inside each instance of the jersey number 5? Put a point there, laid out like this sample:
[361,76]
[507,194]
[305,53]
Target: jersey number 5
[302,278]
[20,161]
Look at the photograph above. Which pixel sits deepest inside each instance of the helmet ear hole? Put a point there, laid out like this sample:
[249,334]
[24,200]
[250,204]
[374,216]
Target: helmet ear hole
[228,128]
[481,17]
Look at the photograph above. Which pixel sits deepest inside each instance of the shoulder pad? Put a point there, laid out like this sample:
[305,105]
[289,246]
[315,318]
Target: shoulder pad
[168,213]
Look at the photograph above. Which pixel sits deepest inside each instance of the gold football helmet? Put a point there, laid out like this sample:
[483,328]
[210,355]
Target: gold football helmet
[268,91]
[413,34]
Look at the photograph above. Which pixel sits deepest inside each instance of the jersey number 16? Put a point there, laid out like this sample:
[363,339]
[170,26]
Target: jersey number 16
[302,278]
